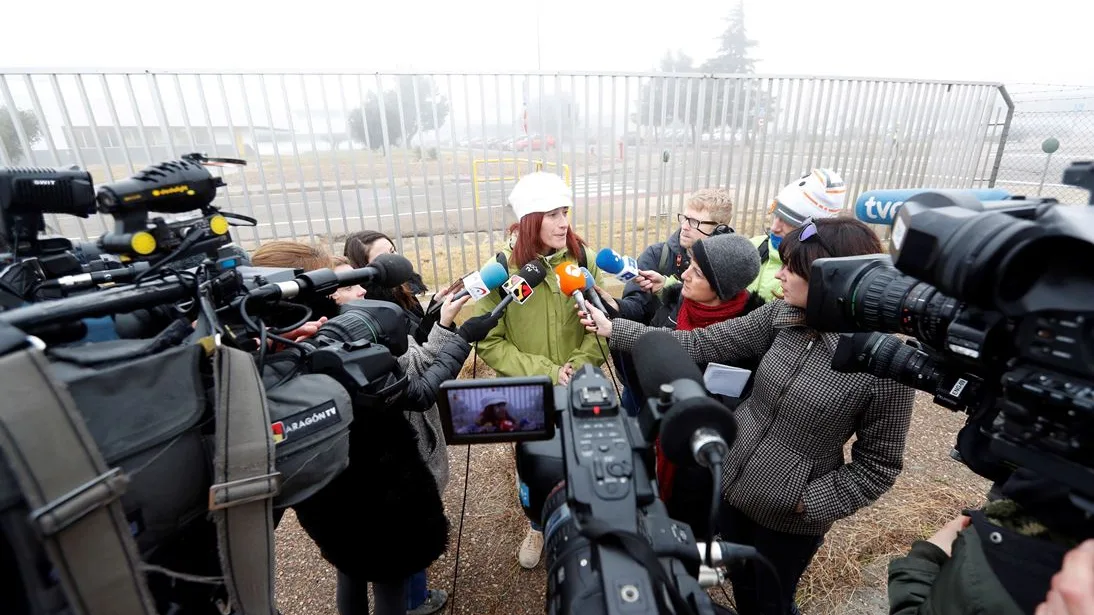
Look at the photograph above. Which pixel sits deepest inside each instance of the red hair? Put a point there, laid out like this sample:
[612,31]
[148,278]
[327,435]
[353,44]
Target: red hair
[528,247]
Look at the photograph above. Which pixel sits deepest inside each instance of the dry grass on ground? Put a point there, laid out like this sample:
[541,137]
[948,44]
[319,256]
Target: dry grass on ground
[847,575]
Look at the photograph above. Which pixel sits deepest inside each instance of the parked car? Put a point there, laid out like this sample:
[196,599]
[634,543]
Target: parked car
[534,142]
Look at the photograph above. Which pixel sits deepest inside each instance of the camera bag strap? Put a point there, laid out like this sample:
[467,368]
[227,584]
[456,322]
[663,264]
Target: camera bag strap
[245,482]
[74,498]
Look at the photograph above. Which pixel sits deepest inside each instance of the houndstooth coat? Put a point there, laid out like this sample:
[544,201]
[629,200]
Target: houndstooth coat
[792,428]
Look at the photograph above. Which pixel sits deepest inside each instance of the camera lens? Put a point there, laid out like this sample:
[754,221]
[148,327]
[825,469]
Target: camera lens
[888,301]
[567,554]
[885,356]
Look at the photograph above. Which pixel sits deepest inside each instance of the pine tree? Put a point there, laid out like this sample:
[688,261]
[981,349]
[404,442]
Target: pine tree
[733,47]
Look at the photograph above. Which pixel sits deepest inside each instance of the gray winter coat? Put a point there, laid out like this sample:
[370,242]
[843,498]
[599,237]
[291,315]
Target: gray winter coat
[792,428]
[415,362]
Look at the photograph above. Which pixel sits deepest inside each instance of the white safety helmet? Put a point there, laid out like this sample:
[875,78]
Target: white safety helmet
[818,194]
[539,192]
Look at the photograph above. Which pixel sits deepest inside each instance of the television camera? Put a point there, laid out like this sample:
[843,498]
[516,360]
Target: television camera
[999,298]
[41,267]
[610,545]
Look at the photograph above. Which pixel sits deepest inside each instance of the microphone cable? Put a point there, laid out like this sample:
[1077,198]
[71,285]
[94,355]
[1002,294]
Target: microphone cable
[463,506]
[611,372]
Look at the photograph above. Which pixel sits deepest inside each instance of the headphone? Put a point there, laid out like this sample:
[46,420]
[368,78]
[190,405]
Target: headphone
[722,229]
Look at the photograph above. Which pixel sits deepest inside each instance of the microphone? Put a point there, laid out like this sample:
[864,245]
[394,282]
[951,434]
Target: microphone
[94,278]
[881,206]
[622,267]
[572,282]
[695,429]
[478,284]
[590,283]
[519,287]
[389,270]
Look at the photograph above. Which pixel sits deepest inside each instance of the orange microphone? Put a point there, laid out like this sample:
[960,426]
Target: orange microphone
[571,280]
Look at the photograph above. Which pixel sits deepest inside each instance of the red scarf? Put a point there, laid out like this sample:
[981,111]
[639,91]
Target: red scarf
[695,316]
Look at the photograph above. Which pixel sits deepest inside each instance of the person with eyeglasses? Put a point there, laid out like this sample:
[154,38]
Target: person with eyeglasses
[786,480]
[707,213]
[816,195]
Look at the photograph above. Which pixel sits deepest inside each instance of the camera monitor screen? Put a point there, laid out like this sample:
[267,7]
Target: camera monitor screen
[497,410]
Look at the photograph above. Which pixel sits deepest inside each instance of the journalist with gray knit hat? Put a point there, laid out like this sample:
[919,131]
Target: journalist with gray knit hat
[729,262]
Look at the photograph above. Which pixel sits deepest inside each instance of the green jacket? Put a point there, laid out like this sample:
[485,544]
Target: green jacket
[545,333]
[765,283]
[927,582]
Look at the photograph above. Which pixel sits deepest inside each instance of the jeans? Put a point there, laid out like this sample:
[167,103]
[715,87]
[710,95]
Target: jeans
[416,591]
[352,597]
[754,590]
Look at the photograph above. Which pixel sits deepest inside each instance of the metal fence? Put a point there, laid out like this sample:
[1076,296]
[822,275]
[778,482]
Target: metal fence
[1040,145]
[430,158]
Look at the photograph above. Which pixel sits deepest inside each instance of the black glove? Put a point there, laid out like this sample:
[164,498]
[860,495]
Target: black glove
[476,328]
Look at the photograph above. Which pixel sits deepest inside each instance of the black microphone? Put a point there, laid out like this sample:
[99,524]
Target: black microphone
[94,278]
[695,427]
[520,286]
[388,270]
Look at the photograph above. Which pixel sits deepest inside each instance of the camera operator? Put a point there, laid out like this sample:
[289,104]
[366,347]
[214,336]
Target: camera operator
[785,479]
[999,559]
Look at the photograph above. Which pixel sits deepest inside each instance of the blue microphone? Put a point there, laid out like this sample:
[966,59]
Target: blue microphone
[622,267]
[881,206]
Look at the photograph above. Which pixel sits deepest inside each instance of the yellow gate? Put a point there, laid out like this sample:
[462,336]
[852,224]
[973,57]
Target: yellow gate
[510,170]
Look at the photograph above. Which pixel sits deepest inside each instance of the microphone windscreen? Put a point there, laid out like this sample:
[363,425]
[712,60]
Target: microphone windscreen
[493,275]
[533,273]
[660,359]
[570,278]
[590,281]
[394,269]
[609,260]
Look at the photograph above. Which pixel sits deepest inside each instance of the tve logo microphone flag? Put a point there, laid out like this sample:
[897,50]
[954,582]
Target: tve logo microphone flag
[881,206]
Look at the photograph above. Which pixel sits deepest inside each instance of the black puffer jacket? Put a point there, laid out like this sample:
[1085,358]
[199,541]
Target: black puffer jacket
[382,519]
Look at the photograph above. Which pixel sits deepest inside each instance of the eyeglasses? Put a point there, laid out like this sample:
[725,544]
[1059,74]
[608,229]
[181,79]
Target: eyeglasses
[693,222]
[809,231]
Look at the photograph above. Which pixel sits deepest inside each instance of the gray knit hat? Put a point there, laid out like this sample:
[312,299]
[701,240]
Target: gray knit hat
[730,262]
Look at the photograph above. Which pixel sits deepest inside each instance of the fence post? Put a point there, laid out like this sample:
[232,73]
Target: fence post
[1002,136]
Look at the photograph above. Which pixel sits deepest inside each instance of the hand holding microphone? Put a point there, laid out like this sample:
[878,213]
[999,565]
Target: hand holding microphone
[650,281]
[596,322]
[450,307]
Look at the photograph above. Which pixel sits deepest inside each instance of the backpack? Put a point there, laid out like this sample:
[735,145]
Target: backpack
[171,453]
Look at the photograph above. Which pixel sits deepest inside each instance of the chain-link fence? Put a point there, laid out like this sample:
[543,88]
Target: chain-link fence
[1039,146]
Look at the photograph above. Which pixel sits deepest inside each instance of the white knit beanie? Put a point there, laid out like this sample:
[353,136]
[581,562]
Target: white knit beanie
[539,191]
